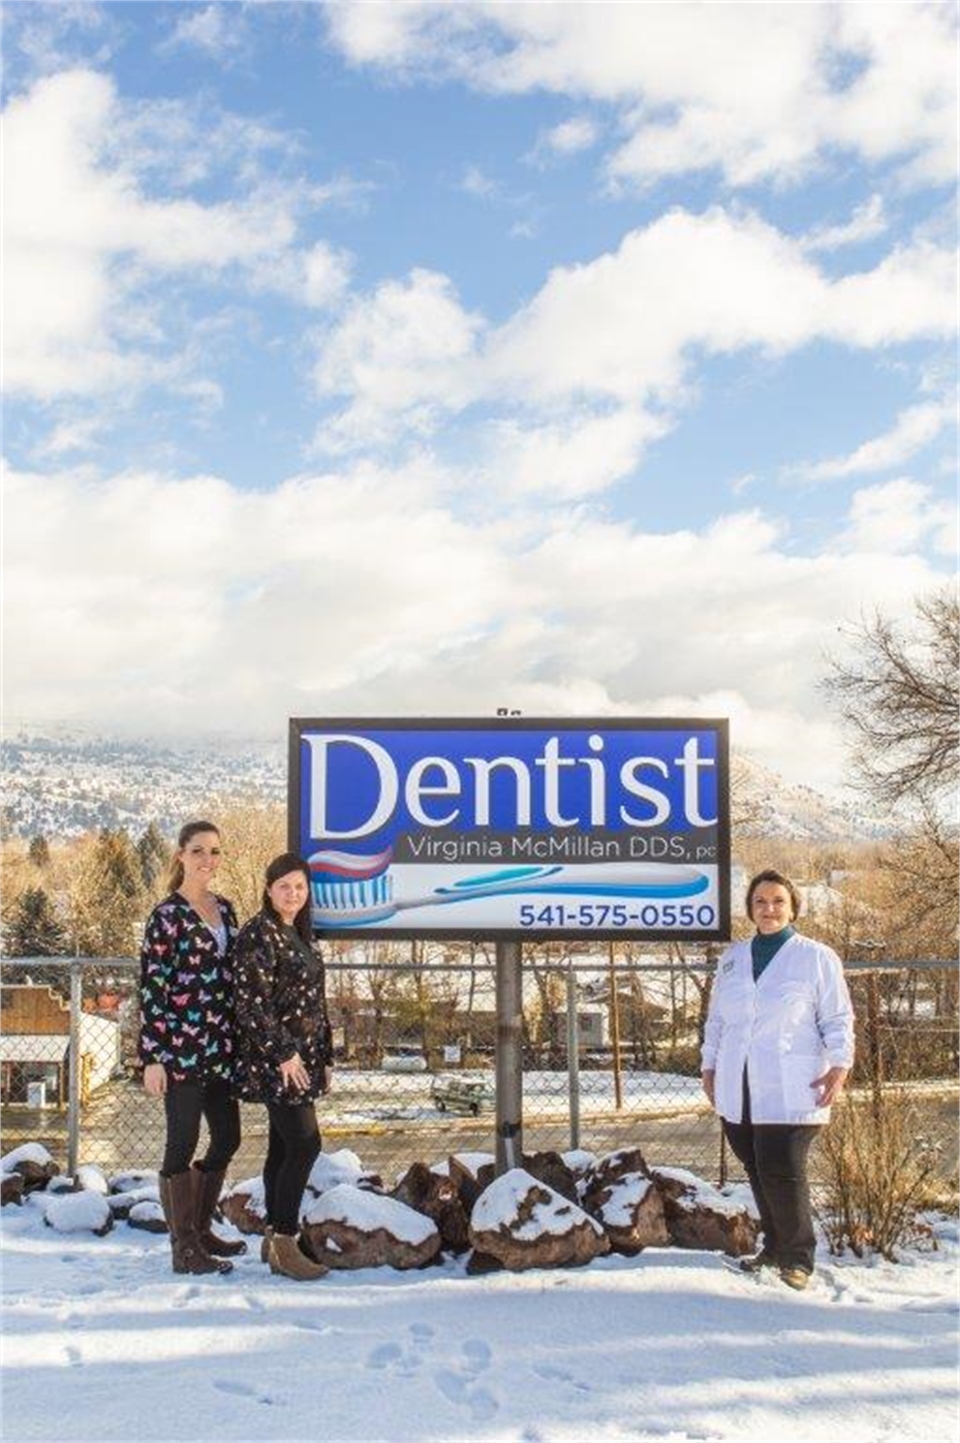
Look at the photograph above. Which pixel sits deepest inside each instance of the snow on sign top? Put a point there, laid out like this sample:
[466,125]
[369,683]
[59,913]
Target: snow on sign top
[498,1206]
[369,1211]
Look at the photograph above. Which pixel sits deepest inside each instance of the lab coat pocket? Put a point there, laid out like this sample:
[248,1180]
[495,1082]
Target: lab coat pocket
[799,1074]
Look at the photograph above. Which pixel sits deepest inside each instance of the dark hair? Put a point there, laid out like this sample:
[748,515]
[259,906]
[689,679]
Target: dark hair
[187,833]
[279,867]
[771,876]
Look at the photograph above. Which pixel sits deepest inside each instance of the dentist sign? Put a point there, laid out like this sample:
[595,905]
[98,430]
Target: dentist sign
[516,828]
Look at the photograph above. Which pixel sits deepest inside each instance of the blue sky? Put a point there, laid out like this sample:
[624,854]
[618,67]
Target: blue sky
[412,358]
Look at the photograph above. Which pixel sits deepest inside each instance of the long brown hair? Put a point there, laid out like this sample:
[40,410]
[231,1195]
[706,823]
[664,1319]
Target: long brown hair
[187,833]
[279,867]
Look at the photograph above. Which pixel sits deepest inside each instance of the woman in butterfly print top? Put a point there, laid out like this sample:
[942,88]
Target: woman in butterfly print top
[187,1045]
[286,1049]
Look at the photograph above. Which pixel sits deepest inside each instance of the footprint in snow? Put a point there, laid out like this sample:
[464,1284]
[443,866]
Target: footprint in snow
[476,1355]
[388,1357]
[243,1390]
[456,1388]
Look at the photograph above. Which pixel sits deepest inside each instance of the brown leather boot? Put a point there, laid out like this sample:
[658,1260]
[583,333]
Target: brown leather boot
[284,1256]
[207,1188]
[189,1256]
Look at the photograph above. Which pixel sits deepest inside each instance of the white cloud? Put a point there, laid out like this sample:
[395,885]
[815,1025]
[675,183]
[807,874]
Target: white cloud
[399,355]
[868,221]
[760,92]
[621,330]
[361,591]
[913,429]
[219,31]
[86,245]
[571,136]
[900,516]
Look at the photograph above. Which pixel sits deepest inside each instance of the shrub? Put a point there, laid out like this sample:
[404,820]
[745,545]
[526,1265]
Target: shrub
[877,1170]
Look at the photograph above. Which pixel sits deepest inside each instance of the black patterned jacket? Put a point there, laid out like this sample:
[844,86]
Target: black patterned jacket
[281,1009]
[186,993]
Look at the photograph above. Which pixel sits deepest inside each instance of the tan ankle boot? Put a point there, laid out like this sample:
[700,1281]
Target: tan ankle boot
[265,1244]
[284,1256]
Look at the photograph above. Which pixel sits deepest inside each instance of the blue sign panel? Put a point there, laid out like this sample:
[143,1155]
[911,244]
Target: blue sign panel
[519,828]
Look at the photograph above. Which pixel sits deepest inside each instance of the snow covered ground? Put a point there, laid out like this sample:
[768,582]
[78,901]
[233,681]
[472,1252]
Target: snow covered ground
[103,1342]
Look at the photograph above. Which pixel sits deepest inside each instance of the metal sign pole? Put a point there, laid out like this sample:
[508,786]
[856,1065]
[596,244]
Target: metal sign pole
[573,1056]
[509,985]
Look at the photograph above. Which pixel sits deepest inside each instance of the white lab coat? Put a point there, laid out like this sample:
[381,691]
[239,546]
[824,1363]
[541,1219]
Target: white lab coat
[787,1029]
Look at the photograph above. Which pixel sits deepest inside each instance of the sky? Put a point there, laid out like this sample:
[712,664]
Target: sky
[376,360]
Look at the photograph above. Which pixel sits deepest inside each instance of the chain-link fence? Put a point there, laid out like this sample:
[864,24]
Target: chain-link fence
[611,1059]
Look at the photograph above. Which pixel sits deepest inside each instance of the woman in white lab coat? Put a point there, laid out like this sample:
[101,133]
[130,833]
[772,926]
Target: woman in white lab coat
[777,1048]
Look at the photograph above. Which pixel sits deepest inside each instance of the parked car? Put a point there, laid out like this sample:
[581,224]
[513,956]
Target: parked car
[462,1094]
[403,1059]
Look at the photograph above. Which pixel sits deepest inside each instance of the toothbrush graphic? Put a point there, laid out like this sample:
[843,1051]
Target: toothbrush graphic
[352,891]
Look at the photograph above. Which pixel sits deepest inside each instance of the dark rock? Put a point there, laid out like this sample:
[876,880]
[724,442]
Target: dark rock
[631,1212]
[698,1216]
[550,1169]
[436,1197]
[525,1224]
[348,1227]
[35,1175]
[11,1188]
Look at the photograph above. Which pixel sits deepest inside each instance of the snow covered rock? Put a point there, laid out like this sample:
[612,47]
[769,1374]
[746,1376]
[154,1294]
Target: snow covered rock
[79,1212]
[333,1168]
[470,1173]
[436,1197]
[11,1188]
[147,1216]
[121,1204]
[244,1206]
[351,1227]
[630,1209]
[611,1167]
[550,1169]
[34,1164]
[698,1216]
[133,1181]
[92,1179]
[522,1223]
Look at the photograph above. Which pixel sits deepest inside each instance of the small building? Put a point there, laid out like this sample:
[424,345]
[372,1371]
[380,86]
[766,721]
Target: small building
[34,1047]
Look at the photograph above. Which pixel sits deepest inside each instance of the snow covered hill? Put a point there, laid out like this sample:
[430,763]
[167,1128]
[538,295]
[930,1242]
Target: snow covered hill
[70,782]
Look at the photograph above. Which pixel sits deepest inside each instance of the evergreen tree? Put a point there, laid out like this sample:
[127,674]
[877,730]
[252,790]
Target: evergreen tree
[39,851]
[154,855]
[32,928]
[107,896]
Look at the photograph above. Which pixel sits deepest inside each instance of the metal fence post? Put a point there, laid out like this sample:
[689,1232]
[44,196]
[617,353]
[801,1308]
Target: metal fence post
[573,1057]
[509,991]
[75,1068]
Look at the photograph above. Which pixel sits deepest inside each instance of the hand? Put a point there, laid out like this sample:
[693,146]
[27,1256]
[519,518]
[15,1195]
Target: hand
[707,1078]
[154,1079]
[830,1085]
[294,1074]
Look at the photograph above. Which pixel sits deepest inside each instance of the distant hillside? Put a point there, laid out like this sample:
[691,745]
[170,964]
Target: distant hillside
[70,783]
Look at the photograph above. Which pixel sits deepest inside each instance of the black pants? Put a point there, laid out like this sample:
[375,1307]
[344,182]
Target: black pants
[774,1156]
[291,1153]
[186,1103]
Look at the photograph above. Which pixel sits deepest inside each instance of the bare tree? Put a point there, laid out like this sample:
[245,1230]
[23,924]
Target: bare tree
[900,696]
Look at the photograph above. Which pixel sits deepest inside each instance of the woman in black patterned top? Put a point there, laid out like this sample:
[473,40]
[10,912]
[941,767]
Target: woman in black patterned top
[187,1045]
[286,1051]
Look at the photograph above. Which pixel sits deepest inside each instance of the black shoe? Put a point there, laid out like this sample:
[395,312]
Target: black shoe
[760,1260]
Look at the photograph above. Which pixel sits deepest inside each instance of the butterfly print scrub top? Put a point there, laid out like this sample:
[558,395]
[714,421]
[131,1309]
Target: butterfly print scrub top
[186,993]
